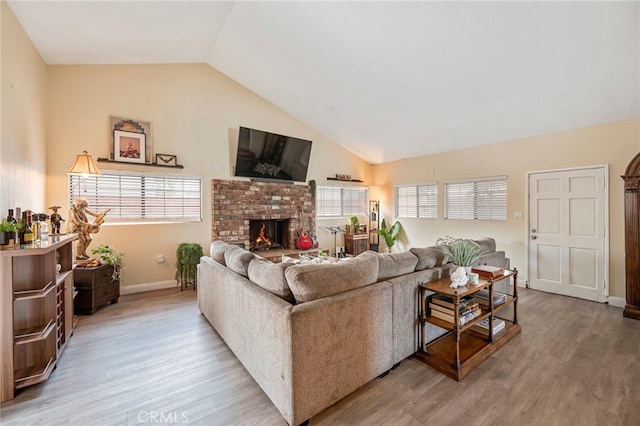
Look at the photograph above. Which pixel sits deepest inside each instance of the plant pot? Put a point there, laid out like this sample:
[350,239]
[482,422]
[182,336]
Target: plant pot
[4,238]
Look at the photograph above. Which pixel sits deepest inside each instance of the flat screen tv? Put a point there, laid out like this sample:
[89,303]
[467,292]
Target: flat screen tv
[270,156]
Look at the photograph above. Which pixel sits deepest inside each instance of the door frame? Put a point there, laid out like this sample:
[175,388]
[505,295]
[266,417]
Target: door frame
[605,167]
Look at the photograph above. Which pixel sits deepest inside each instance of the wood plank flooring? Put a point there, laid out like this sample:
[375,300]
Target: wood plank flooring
[153,359]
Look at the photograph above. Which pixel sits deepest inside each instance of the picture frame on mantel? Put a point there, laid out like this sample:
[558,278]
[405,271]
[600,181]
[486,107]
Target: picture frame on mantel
[166,160]
[133,126]
[129,147]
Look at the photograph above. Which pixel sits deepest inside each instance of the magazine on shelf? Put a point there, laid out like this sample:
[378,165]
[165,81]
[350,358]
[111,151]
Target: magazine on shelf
[483,326]
[482,297]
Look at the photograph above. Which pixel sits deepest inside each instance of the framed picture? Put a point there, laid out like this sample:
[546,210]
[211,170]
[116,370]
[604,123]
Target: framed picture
[133,126]
[129,147]
[166,160]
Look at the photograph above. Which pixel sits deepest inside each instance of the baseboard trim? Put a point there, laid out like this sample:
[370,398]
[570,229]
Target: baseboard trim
[618,302]
[141,288]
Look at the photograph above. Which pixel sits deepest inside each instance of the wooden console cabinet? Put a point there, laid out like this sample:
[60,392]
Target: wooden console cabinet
[96,287]
[37,310]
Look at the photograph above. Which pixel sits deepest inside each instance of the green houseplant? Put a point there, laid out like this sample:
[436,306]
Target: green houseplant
[112,257]
[355,223]
[389,234]
[187,258]
[463,252]
[7,231]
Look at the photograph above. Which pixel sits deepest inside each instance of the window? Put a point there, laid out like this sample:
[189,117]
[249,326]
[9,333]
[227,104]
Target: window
[478,199]
[417,200]
[141,197]
[338,201]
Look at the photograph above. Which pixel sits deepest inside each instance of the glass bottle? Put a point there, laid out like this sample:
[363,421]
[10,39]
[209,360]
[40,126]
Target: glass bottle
[27,230]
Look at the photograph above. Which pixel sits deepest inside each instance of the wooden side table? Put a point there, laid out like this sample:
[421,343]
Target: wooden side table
[356,243]
[95,287]
[462,349]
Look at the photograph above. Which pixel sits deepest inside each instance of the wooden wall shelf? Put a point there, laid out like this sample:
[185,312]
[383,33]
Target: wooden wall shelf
[342,180]
[106,160]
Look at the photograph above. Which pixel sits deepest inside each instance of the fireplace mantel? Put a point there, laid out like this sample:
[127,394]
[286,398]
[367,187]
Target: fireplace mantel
[235,203]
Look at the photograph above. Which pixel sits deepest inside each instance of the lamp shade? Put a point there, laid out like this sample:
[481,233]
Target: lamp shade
[84,165]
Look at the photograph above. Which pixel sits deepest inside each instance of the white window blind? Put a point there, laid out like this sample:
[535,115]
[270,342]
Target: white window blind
[339,201]
[417,200]
[477,199]
[141,197]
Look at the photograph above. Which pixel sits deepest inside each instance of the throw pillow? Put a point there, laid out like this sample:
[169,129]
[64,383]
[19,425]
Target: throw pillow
[429,257]
[237,259]
[395,264]
[317,280]
[270,276]
[217,249]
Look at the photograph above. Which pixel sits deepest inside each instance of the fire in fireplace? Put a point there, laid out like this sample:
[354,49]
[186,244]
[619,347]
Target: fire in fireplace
[268,234]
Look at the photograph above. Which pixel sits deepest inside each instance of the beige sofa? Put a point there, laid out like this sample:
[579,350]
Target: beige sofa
[311,334]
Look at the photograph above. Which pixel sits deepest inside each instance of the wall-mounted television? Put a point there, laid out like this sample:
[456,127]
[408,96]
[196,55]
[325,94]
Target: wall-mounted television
[270,156]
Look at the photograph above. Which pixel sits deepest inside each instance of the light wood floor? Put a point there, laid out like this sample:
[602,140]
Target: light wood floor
[152,358]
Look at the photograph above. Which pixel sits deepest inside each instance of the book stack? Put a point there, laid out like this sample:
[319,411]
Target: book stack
[487,271]
[482,297]
[482,326]
[442,307]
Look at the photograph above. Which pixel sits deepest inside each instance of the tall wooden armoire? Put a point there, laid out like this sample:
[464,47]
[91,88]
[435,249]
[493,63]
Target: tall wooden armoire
[632,237]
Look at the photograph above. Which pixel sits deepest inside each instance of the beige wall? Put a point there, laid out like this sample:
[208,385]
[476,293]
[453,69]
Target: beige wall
[614,144]
[195,112]
[22,145]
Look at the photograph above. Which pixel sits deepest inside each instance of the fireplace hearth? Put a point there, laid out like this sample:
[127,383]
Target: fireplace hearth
[237,204]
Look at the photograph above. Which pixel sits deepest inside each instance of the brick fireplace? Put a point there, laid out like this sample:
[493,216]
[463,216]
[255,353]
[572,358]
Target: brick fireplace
[236,203]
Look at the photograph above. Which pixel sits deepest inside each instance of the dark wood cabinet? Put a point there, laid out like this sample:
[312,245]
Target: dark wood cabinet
[96,287]
[632,238]
[355,244]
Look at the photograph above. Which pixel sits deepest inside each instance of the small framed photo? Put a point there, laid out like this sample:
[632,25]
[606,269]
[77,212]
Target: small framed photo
[129,147]
[166,160]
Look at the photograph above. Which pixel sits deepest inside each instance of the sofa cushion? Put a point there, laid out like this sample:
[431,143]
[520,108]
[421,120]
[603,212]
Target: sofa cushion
[217,249]
[395,264]
[487,244]
[270,276]
[429,257]
[237,259]
[317,280]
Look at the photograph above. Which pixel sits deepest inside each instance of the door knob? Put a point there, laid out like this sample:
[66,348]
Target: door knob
[533,237]
[533,230]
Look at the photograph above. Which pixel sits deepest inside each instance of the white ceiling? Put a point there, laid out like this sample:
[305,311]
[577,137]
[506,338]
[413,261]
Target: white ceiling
[387,80]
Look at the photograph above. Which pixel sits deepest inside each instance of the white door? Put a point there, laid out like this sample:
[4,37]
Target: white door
[567,232]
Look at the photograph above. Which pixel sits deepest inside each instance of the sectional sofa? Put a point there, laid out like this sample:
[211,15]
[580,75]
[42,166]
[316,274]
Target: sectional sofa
[311,334]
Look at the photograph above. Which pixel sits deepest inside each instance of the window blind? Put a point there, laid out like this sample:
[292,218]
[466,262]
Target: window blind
[341,201]
[141,197]
[476,199]
[417,200]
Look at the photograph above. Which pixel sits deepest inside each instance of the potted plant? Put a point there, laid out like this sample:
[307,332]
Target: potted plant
[112,257]
[7,231]
[463,253]
[355,223]
[187,258]
[389,234]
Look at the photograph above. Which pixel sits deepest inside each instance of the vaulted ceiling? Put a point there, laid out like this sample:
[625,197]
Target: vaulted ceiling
[387,80]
